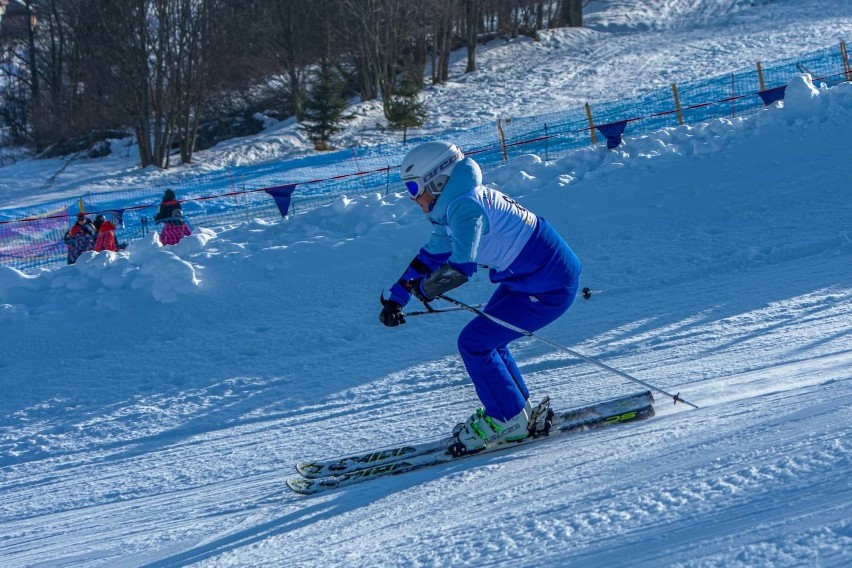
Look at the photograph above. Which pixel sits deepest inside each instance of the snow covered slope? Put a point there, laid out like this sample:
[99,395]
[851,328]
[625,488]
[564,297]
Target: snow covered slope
[153,402]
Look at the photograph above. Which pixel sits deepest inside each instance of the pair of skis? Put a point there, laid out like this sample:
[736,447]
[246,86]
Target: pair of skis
[323,475]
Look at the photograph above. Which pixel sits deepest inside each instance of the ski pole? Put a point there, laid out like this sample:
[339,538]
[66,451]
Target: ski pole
[477,311]
[587,292]
[441,311]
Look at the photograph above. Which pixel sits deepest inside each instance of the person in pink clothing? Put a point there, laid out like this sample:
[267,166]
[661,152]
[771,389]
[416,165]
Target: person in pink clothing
[174,229]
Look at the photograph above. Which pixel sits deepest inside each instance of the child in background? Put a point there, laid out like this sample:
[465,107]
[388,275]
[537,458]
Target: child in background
[106,234]
[174,229]
[80,238]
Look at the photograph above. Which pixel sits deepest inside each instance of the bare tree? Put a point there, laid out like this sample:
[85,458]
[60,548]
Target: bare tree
[90,106]
[444,18]
[379,33]
[24,55]
[292,45]
[505,19]
[158,66]
[569,13]
[123,33]
[35,80]
[208,45]
[166,59]
[44,57]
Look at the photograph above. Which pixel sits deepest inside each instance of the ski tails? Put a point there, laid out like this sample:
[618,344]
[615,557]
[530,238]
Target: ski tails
[370,459]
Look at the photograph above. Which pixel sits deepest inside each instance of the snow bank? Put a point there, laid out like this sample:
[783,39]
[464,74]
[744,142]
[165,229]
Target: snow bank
[165,274]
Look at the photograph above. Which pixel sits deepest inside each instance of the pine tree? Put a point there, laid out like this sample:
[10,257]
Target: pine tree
[325,107]
[405,110]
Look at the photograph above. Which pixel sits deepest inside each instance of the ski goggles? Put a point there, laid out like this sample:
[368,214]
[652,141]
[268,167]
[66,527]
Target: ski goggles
[414,188]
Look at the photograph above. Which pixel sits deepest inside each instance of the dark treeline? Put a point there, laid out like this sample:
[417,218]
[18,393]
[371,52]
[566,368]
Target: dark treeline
[78,71]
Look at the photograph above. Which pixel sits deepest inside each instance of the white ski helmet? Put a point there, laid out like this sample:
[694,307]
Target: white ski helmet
[428,166]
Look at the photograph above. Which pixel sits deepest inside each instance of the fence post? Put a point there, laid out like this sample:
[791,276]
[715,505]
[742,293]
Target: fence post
[361,172]
[760,77]
[677,104]
[845,54]
[546,153]
[245,197]
[733,97]
[387,181]
[502,138]
[591,124]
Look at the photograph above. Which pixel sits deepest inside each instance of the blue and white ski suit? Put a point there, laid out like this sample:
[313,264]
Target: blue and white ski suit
[537,273]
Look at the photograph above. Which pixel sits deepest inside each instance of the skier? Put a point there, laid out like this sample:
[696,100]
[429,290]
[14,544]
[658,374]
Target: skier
[536,272]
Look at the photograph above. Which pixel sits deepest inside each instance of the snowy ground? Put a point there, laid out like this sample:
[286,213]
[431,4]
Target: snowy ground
[154,401]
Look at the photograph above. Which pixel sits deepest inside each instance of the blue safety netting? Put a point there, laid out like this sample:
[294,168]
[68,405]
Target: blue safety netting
[31,237]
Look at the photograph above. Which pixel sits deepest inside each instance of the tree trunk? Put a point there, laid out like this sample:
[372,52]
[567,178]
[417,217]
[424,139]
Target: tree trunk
[570,14]
[472,30]
[443,39]
[505,21]
[35,85]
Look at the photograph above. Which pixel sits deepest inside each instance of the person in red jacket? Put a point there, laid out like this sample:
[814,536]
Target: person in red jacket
[106,235]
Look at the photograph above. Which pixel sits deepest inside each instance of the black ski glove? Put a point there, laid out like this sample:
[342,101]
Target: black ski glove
[417,291]
[391,314]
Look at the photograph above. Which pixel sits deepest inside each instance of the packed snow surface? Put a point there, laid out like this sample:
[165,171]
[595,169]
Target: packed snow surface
[154,401]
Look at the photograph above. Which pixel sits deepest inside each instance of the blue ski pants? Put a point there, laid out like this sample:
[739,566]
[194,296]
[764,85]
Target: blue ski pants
[483,345]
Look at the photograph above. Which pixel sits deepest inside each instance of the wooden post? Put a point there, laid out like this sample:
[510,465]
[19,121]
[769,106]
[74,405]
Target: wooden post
[591,124]
[733,97]
[81,206]
[760,76]
[502,137]
[845,54]
[677,104]
[387,180]
[245,198]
